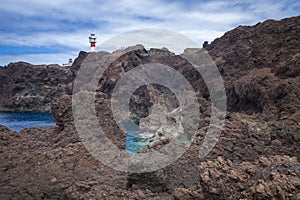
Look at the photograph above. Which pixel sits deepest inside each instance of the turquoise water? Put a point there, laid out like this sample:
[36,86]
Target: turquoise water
[134,141]
[19,121]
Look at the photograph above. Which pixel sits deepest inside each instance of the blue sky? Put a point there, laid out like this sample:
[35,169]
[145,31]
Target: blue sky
[42,32]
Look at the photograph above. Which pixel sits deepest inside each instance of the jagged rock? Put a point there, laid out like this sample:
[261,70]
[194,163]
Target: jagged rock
[31,88]
[276,177]
[260,67]
[63,115]
[205,44]
[186,194]
[256,157]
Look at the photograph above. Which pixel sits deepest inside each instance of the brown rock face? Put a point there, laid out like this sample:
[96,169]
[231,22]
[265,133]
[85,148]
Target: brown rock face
[31,88]
[271,44]
[256,157]
[223,179]
[62,111]
[260,65]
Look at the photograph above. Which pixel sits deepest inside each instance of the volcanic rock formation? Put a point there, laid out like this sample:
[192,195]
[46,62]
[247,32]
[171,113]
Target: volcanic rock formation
[31,88]
[257,154]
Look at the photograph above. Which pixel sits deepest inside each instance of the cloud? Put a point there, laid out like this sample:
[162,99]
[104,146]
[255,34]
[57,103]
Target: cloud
[64,25]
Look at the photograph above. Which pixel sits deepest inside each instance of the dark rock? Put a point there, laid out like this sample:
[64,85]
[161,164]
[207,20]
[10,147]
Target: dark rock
[31,88]
[267,178]
[205,44]
[256,157]
[260,66]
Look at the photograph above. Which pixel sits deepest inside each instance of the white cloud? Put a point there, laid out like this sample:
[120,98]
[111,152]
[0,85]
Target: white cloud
[75,40]
[202,20]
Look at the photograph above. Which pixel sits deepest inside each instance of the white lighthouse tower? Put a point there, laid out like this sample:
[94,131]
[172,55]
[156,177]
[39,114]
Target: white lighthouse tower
[92,40]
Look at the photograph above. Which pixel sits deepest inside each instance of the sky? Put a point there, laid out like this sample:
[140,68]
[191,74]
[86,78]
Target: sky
[52,31]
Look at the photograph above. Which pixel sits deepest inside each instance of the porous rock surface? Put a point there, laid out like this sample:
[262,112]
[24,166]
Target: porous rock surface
[256,157]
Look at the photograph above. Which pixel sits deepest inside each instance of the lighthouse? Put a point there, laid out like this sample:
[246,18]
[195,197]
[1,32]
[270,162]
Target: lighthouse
[92,40]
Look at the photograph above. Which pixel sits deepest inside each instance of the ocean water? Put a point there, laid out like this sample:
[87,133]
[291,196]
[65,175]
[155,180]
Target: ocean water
[19,121]
[135,140]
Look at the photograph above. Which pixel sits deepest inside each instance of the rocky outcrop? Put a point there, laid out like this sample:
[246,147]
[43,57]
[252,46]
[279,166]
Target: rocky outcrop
[49,163]
[256,157]
[260,65]
[275,177]
[31,88]
[271,44]
[74,68]
[63,116]
[40,163]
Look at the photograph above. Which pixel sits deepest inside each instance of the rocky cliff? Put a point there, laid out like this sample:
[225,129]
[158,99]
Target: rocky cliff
[256,157]
[31,88]
[260,65]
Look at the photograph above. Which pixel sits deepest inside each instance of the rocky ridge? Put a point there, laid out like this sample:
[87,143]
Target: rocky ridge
[256,157]
[31,88]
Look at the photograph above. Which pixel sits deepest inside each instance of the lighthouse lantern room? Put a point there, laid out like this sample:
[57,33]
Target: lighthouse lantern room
[92,40]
